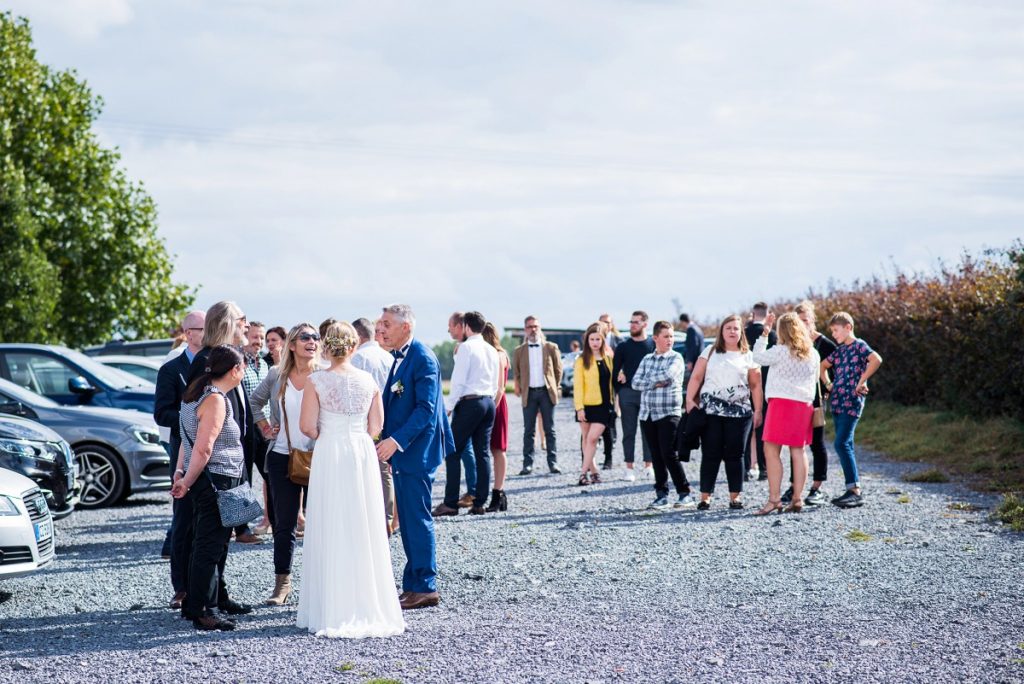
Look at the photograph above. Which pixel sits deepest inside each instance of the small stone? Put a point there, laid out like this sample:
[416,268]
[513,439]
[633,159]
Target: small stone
[19,666]
[162,661]
[869,643]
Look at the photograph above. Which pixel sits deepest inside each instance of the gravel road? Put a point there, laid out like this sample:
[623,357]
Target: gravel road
[572,585]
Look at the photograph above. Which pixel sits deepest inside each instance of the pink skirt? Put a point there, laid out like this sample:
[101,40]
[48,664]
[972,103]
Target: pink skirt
[789,422]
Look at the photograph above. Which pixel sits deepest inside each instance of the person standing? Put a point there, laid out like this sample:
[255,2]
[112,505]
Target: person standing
[613,336]
[457,331]
[471,407]
[628,355]
[275,343]
[593,396]
[659,378]
[753,330]
[536,380]
[693,345]
[371,357]
[256,369]
[726,384]
[499,434]
[210,459]
[790,392]
[416,438]
[171,381]
[347,582]
[281,392]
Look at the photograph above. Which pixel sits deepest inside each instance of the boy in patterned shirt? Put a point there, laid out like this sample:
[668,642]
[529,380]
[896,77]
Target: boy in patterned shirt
[853,363]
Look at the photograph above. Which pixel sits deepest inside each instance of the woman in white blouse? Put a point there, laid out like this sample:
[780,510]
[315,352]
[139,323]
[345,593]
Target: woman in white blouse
[790,393]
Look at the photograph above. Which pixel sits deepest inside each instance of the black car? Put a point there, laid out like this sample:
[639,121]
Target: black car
[38,453]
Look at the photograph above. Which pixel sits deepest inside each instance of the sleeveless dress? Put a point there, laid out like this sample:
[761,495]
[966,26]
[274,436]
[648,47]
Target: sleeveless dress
[499,434]
[348,586]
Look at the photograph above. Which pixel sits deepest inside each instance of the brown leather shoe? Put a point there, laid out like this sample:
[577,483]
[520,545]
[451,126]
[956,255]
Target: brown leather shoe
[401,597]
[442,510]
[413,600]
[466,501]
[248,538]
[178,599]
[477,510]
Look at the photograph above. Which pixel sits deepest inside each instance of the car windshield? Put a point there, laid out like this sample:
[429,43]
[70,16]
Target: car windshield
[118,379]
[11,392]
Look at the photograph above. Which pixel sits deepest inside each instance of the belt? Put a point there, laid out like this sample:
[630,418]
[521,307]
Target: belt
[541,387]
[473,396]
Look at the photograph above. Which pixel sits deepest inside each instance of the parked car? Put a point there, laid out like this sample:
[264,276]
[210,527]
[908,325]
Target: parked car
[70,377]
[118,452]
[145,367]
[39,453]
[157,348]
[26,527]
[568,370]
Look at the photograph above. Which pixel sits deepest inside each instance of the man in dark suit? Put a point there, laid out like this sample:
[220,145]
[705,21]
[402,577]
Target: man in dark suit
[171,381]
[415,439]
[694,344]
[753,330]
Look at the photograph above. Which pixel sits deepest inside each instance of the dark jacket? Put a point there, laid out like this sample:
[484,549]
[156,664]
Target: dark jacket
[694,344]
[171,380]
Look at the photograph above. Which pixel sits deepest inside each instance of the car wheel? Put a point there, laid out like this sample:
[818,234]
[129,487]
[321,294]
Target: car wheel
[102,476]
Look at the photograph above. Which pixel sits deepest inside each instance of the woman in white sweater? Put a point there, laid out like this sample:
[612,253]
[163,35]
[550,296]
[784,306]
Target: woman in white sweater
[790,393]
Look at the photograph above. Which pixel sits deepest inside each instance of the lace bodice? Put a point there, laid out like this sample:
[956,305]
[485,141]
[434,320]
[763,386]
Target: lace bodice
[349,393]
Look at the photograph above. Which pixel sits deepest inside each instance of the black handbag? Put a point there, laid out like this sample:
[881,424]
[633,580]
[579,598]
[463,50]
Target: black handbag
[689,432]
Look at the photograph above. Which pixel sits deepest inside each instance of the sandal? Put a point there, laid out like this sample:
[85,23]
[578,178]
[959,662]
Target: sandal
[770,507]
[595,478]
[584,481]
[795,507]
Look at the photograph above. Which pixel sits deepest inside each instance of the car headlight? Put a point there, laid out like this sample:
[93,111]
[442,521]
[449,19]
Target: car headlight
[26,449]
[144,435]
[7,506]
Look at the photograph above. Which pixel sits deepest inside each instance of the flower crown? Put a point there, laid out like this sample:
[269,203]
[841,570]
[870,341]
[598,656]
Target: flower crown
[340,346]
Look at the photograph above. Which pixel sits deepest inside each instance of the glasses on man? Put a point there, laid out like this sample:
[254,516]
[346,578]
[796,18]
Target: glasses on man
[306,337]
[532,327]
[636,322]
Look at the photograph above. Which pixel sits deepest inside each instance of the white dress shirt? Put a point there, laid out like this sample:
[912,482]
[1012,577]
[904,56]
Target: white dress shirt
[536,358]
[372,358]
[475,372]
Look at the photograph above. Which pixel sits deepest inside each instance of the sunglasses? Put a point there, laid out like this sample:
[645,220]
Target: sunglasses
[306,337]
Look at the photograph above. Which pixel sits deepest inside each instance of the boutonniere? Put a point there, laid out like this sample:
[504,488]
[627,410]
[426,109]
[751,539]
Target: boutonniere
[397,388]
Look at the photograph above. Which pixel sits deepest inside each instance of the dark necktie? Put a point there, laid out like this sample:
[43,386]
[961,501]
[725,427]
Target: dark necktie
[398,353]
[534,345]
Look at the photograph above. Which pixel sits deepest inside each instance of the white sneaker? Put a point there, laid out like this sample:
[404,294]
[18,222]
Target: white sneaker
[648,472]
[686,501]
[630,475]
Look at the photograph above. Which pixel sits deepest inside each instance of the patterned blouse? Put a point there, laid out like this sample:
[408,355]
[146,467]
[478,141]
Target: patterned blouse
[849,361]
[227,457]
[726,389]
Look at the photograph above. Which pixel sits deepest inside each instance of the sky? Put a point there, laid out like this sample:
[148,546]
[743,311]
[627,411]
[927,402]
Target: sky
[314,158]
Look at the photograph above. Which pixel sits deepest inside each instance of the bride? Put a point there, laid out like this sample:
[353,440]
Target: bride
[348,587]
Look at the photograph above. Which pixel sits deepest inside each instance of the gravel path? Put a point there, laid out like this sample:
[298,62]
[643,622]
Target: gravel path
[572,585]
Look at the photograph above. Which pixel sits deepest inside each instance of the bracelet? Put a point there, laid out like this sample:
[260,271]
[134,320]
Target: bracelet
[179,470]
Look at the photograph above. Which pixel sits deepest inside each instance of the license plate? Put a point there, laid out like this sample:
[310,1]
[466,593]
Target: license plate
[44,530]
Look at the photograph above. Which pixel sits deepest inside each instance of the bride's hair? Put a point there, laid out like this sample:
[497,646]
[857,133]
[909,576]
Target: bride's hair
[340,340]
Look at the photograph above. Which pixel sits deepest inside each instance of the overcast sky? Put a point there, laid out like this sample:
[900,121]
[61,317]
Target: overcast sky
[314,158]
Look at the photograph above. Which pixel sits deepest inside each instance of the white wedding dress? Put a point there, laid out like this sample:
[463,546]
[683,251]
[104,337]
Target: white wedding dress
[348,587]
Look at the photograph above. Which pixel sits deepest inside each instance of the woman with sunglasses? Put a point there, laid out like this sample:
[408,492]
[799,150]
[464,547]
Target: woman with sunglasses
[283,390]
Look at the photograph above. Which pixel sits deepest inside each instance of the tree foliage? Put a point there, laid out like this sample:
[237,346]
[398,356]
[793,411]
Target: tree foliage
[81,258]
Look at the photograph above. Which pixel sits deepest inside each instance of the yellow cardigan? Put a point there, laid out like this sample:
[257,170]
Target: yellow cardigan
[586,383]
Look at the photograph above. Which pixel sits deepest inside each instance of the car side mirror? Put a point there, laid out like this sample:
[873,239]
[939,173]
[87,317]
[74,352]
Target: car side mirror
[80,385]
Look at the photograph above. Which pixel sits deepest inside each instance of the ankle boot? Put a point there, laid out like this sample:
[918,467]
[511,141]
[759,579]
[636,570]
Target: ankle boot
[503,504]
[282,587]
[495,504]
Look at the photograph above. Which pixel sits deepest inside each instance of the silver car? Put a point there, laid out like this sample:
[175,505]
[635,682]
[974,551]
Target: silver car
[118,451]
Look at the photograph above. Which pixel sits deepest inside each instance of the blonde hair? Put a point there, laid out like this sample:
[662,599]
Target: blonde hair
[340,340]
[287,364]
[219,327]
[841,318]
[793,335]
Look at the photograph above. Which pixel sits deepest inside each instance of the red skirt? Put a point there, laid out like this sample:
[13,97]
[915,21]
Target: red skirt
[789,422]
[499,434]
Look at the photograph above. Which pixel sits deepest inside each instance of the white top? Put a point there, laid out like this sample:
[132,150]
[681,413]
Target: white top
[536,358]
[476,370]
[372,358]
[790,377]
[293,405]
[726,388]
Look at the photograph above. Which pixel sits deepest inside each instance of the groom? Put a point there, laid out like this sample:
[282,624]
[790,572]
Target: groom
[416,438]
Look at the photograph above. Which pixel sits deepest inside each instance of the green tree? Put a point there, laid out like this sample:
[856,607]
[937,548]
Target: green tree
[81,258]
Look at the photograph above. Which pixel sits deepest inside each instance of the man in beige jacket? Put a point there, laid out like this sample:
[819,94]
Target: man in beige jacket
[537,374]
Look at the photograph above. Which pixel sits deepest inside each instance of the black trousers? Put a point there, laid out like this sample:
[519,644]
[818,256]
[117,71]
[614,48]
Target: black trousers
[539,401]
[472,419]
[181,542]
[206,587]
[820,456]
[723,440]
[608,438]
[661,438]
[284,495]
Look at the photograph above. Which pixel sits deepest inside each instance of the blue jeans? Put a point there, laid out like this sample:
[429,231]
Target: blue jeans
[845,427]
[469,463]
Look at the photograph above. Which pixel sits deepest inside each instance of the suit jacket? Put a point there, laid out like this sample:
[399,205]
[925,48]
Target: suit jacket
[415,417]
[171,380]
[552,370]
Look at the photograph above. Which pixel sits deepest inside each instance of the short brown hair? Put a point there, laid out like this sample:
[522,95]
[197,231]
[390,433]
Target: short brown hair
[841,318]
[661,325]
[641,314]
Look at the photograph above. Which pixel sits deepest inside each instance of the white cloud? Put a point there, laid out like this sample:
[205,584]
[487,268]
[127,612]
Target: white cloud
[81,19]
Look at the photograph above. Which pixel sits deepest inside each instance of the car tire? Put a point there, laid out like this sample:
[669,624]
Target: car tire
[102,475]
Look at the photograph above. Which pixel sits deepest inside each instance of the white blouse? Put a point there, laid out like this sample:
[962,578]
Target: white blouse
[293,405]
[790,377]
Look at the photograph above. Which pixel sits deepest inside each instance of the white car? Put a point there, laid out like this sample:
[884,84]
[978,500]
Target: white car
[145,367]
[26,528]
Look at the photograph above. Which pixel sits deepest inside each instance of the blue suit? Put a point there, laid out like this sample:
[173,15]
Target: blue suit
[415,418]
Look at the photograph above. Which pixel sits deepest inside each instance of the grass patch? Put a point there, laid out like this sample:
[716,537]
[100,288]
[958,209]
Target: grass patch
[932,475]
[989,452]
[345,667]
[903,499]
[858,536]
[1011,512]
[963,506]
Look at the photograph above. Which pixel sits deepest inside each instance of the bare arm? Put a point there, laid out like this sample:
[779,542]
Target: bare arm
[309,418]
[211,416]
[696,381]
[756,394]
[874,361]
[501,373]
[375,419]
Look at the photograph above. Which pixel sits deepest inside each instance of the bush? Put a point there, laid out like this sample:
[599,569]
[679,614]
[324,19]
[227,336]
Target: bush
[1011,512]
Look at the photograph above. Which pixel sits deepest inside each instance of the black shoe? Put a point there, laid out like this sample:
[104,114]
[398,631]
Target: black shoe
[849,500]
[498,501]
[554,470]
[234,608]
[815,497]
[787,498]
[607,465]
[736,505]
[526,470]
[209,623]
[762,476]
[704,506]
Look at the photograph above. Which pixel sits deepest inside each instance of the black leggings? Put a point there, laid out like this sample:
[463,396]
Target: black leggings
[820,456]
[723,440]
